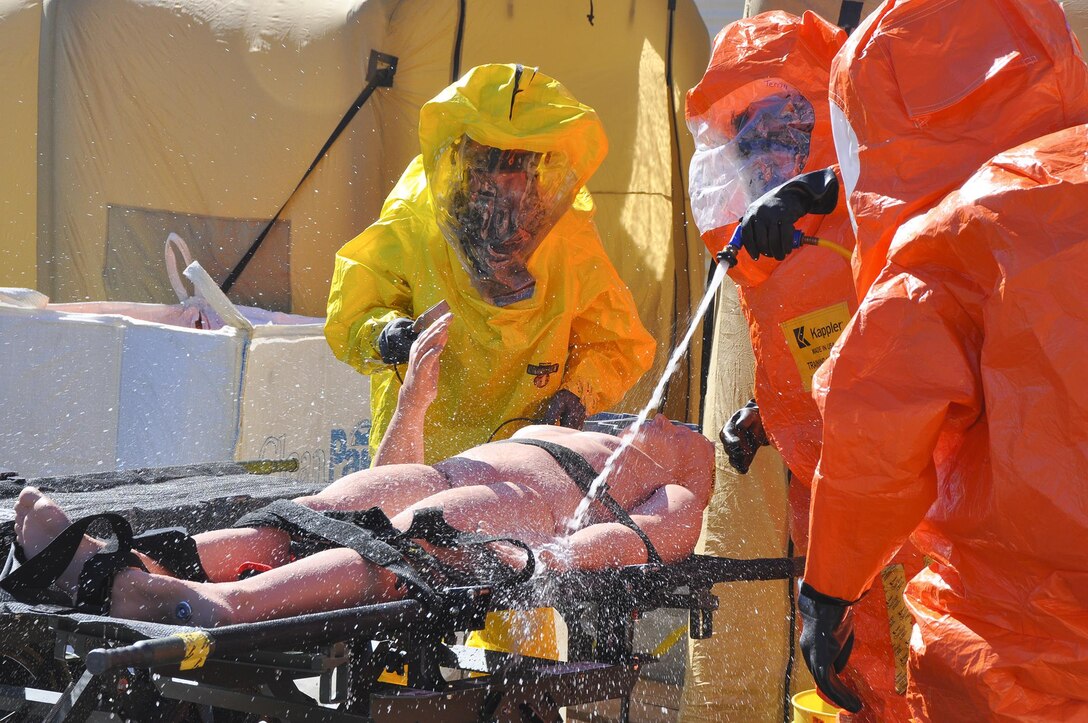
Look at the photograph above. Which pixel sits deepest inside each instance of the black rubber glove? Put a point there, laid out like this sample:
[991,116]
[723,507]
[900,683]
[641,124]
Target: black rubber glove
[743,435]
[566,410]
[826,641]
[395,341]
[767,226]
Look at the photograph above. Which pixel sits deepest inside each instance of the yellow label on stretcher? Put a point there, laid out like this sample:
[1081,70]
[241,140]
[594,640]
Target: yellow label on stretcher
[894,580]
[198,644]
[399,677]
[811,336]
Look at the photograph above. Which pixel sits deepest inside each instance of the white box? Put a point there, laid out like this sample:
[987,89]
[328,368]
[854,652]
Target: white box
[100,386]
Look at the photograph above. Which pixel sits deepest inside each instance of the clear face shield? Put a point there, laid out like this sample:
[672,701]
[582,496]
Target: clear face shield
[846,150]
[746,144]
[495,206]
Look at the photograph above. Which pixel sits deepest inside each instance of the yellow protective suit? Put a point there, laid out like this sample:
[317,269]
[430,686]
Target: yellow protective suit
[579,331]
[953,404]
[811,290]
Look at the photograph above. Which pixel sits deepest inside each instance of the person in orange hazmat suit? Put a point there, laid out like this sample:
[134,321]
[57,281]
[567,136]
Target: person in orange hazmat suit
[760,117]
[953,404]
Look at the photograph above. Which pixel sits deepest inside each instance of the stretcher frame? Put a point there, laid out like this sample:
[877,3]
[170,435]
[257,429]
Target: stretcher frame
[104,668]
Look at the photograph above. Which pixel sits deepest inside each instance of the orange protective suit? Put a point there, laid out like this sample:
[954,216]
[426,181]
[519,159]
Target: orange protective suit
[941,92]
[953,404]
[776,296]
[797,308]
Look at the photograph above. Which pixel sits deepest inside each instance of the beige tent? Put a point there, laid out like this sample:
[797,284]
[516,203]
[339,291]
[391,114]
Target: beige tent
[20,25]
[1076,11]
[128,119]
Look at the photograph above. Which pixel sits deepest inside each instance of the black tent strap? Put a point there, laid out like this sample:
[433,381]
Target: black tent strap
[850,15]
[458,43]
[380,71]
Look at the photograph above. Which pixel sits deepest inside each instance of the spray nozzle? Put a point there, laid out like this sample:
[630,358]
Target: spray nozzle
[728,255]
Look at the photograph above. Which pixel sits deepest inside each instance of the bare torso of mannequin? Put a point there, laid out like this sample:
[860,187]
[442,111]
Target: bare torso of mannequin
[635,476]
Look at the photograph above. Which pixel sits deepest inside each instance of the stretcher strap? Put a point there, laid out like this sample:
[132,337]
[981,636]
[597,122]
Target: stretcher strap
[374,538]
[583,474]
[174,549]
[302,522]
[429,524]
[32,582]
[437,574]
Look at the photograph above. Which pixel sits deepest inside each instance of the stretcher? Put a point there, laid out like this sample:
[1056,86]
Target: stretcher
[60,666]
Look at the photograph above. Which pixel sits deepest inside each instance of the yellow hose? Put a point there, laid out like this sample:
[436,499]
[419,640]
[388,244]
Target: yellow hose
[834,247]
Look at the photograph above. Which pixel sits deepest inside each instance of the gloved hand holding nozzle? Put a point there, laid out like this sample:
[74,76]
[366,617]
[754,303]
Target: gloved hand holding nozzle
[767,228]
[396,339]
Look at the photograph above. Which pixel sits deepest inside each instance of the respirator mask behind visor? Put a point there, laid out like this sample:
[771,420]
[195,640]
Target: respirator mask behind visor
[754,139]
[495,206]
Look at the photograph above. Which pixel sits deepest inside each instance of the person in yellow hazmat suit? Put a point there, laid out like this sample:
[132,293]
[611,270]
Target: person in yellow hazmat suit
[953,405]
[493,218]
[760,116]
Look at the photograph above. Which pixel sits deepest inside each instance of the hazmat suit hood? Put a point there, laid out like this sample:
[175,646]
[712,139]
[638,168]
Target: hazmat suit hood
[759,115]
[506,150]
[922,96]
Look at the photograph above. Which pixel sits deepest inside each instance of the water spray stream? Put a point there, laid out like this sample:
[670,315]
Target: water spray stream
[599,483]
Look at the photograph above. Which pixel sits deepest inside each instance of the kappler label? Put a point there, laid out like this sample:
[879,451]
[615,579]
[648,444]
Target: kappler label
[810,338]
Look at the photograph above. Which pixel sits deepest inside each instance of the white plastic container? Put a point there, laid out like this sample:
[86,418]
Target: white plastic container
[101,385]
